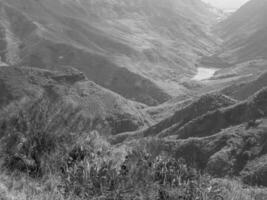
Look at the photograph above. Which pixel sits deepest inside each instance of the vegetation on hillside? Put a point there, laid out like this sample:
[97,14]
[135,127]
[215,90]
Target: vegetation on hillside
[40,165]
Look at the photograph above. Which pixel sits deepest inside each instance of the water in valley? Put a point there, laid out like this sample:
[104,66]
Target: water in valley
[204,73]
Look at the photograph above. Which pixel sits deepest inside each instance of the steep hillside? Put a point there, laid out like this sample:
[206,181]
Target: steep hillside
[153,44]
[241,91]
[212,122]
[197,108]
[64,101]
[237,151]
[245,33]
[28,42]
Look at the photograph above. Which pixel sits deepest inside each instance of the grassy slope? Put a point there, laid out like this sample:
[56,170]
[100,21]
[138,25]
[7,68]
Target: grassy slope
[71,101]
[104,172]
[243,90]
[214,121]
[195,109]
[237,151]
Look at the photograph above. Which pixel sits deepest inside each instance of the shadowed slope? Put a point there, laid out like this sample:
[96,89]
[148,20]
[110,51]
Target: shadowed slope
[212,122]
[67,101]
[241,91]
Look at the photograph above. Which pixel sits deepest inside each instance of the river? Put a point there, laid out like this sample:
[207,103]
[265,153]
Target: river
[204,73]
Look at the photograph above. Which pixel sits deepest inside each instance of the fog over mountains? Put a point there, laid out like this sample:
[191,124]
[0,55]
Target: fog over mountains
[122,99]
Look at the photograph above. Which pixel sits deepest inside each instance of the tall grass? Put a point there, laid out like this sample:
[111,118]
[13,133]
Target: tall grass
[38,164]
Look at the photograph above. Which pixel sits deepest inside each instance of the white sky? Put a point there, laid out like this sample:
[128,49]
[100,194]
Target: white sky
[226,4]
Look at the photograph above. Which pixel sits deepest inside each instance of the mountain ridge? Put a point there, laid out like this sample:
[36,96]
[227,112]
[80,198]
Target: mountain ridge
[66,97]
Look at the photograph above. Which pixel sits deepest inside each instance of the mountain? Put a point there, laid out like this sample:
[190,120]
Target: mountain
[65,101]
[245,33]
[216,134]
[118,44]
[195,109]
[225,141]
[214,121]
[243,90]
[206,116]
[123,99]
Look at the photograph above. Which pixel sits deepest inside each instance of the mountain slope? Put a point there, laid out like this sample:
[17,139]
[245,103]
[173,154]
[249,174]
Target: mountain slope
[214,121]
[199,107]
[237,151]
[243,90]
[152,43]
[66,101]
[37,46]
[245,33]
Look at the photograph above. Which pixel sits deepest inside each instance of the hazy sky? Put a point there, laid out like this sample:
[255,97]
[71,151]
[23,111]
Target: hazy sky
[227,4]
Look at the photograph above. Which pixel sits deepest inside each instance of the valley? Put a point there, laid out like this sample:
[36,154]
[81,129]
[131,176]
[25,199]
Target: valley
[122,100]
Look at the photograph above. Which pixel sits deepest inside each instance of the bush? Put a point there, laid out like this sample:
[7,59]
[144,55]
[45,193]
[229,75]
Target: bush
[86,166]
[26,142]
[139,176]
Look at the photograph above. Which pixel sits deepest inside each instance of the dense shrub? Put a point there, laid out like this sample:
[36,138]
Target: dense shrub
[92,172]
[27,143]
[86,166]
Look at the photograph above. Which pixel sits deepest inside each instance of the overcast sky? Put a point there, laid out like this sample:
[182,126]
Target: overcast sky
[226,4]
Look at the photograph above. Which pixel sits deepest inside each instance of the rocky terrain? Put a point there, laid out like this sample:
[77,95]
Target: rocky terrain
[122,99]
